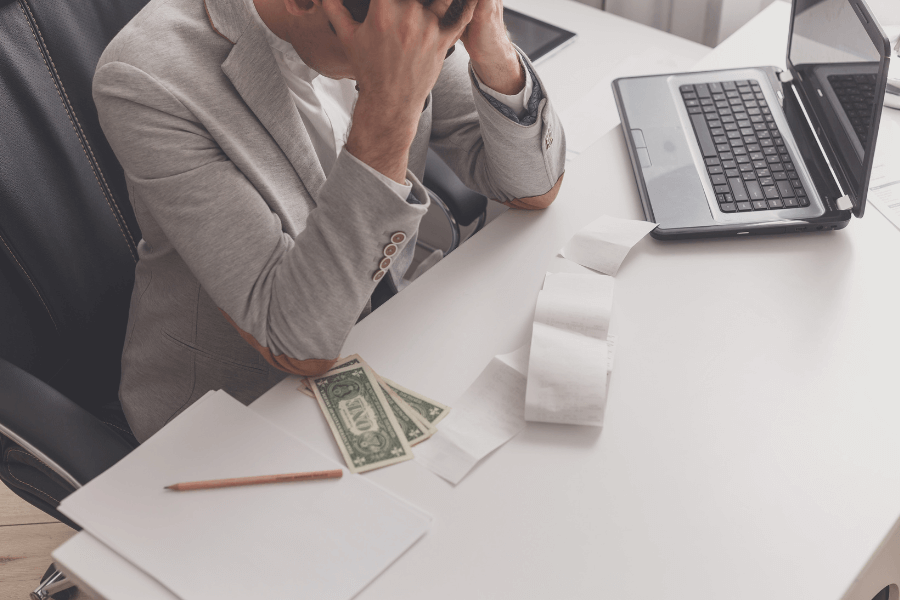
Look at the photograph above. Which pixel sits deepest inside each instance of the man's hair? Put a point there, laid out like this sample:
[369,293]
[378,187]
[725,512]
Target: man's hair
[454,12]
[359,8]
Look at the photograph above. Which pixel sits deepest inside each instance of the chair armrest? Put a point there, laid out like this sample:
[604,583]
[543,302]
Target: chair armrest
[465,205]
[67,438]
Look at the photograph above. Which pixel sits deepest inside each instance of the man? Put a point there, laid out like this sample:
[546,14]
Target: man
[268,217]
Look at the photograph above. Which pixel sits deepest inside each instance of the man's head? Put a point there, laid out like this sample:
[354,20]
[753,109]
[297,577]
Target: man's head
[305,25]
[360,8]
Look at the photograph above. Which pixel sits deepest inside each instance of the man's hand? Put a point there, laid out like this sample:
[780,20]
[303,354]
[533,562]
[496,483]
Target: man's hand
[396,56]
[493,57]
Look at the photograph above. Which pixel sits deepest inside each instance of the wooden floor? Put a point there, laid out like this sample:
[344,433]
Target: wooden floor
[27,536]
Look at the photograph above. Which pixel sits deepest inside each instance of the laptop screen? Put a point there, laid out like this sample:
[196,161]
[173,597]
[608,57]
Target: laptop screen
[841,71]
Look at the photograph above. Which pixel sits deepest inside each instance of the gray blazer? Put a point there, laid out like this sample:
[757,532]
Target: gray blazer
[252,264]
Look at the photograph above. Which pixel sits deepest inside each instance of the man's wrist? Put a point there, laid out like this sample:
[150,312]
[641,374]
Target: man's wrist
[381,137]
[501,71]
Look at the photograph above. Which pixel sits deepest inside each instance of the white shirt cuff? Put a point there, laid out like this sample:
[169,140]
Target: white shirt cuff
[517,103]
[403,190]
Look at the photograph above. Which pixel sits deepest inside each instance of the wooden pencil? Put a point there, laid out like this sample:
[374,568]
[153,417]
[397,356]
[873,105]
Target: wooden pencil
[221,483]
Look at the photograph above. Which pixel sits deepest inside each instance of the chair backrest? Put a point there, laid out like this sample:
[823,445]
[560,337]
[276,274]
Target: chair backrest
[68,236]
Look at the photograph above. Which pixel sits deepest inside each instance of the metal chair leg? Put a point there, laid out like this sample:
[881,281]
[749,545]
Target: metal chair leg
[53,584]
[454,226]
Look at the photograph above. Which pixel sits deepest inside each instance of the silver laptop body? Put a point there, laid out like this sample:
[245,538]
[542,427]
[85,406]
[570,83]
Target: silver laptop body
[763,150]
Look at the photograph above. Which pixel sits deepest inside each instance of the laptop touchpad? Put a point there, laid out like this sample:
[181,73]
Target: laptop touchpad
[670,175]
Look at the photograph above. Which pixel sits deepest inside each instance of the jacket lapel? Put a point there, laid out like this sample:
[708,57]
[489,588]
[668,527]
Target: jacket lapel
[252,70]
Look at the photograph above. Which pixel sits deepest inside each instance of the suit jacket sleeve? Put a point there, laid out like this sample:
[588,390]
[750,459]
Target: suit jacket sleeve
[294,299]
[503,158]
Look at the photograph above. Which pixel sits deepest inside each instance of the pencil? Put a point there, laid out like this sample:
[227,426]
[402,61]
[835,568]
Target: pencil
[221,483]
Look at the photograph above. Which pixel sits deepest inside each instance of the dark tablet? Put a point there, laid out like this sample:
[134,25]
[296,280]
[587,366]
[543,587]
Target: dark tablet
[536,38]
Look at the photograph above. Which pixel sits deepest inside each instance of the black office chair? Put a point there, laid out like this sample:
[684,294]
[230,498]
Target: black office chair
[460,205]
[68,240]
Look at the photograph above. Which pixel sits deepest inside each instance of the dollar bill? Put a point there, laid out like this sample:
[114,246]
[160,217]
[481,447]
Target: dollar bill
[433,412]
[415,428]
[360,418]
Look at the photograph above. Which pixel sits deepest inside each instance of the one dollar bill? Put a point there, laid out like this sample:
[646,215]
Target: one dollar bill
[359,415]
[429,410]
[415,429]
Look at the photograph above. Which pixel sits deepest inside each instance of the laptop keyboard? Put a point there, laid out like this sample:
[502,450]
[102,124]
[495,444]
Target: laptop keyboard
[856,93]
[745,154]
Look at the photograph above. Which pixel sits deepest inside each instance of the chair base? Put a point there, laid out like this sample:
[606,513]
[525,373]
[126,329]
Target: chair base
[54,586]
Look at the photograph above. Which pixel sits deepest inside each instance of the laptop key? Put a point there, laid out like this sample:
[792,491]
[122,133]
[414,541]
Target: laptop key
[703,136]
[721,189]
[776,203]
[728,208]
[803,201]
[754,190]
[760,205]
[791,203]
[785,188]
[737,188]
[744,206]
[771,192]
[764,181]
[732,173]
[719,180]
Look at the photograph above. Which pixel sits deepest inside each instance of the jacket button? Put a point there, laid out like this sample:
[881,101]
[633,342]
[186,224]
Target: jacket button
[390,250]
[398,238]
[378,275]
[385,263]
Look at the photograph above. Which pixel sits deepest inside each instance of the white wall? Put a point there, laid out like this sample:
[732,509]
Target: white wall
[711,21]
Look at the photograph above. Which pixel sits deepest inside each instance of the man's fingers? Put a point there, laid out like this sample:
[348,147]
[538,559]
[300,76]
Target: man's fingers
[341,21]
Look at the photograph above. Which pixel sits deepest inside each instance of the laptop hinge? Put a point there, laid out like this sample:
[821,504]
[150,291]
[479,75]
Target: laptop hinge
[785,76]
[844,203]
[844,198]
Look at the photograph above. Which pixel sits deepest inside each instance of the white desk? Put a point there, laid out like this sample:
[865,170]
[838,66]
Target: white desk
[750,449]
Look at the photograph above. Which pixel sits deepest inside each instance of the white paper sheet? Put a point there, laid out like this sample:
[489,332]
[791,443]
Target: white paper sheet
[595,113]
[884,186]
[319,539]
[604,244]
[570,359]
[489,414]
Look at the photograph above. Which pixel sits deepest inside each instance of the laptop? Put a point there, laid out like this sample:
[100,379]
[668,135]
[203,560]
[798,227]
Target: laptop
[763,150]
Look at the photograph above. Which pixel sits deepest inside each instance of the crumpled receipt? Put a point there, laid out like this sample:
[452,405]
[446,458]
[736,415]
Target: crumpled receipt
[570,355]
[604,244]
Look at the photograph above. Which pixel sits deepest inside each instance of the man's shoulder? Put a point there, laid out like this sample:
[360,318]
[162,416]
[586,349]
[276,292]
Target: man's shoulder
[168,38]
